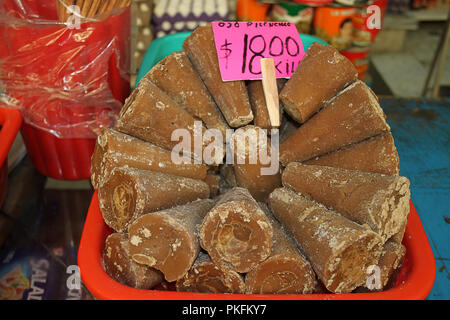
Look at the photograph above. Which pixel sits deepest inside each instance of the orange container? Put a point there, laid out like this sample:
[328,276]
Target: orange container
[335,25]
[415,279]
[10,122]
[251,10]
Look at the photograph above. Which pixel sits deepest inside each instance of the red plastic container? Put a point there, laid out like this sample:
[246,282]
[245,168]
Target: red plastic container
[415,280]
[63,159]
[10,122]
[360,59]
[68,83]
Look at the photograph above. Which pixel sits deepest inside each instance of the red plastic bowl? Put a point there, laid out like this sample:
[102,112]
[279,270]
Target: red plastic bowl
[10,122]
[415,279]
[63,159]
[90,61]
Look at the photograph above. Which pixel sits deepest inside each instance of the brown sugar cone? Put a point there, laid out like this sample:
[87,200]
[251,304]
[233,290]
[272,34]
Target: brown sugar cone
[249,143]
[398,237]
[116,149]
[377,154]
[389,265]
[228,175]
[213,181]
[167,240]
[230,96]
[236,232]
[390,262]
[339,250]
[321,74]
[286,271]
[258,102]
[151,115]
[119,265]
[380,201]
[288,127]
[207,277]
[176,76]
[352,116]
[129,193]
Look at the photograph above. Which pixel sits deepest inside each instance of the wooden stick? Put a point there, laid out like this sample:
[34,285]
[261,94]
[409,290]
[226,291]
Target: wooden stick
[95,5]
[84,7]
[66,5]
[111,5]
[434,61]
[442,58]
[126,3]
[269,82]
[60,10]
[103,8]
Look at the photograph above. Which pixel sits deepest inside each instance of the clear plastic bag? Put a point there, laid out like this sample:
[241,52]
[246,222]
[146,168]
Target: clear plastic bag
[68,74]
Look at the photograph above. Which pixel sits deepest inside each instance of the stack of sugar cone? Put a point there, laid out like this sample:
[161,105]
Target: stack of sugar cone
[380,201]
[350,117]
[340,250]
[129,193]
[337,205]
[377,154]
[321,74]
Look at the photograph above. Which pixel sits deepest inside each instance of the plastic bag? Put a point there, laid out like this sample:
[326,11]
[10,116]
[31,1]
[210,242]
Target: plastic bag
[68,77]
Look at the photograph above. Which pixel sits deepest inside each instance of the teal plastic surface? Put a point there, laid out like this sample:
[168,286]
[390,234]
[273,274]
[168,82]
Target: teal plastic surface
[162,47]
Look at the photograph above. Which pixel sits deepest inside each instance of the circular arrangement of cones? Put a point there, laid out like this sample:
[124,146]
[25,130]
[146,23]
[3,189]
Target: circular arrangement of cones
[334,207]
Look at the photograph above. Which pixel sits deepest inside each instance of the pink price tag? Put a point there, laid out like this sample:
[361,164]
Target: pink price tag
[241,45]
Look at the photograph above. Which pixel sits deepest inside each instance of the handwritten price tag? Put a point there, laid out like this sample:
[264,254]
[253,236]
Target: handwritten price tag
[241,45]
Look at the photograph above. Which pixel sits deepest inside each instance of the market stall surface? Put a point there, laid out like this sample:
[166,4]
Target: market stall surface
[422,135]
[42,220]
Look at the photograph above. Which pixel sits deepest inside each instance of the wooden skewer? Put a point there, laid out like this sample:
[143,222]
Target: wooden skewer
[125,3]
[67,13]
[83,4]
[60,10]
[112,4]
[95,5]
[102,8]
[269,82]
[88,8]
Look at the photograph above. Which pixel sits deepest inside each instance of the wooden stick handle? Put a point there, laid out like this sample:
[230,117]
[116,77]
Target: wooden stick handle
[269,82]
[95,5]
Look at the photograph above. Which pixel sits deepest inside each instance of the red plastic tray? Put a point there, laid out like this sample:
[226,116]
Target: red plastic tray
[415,279]
[10,122]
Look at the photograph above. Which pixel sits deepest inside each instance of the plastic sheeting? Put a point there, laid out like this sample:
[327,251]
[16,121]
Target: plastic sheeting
[68,79]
